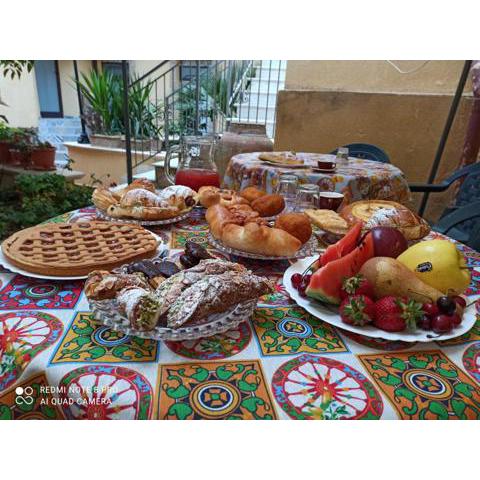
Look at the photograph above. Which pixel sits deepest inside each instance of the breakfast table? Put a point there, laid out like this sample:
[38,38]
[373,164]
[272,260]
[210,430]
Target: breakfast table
[356,179]
[283,363]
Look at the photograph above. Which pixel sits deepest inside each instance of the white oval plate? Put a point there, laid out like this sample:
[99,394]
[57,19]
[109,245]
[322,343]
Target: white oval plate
[14,269]
[330,314]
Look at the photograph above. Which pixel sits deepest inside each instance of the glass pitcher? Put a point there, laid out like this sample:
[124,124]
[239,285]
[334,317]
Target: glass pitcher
[196,167]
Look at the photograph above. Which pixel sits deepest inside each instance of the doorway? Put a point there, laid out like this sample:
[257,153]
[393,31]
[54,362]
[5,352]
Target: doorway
[48,87]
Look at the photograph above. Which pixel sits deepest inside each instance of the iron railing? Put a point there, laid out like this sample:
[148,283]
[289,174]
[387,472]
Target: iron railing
[200,97]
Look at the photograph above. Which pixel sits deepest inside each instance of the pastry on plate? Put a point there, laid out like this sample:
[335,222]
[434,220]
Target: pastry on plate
[375,213]
[141,201]
[102,284]
[296,224]
[76,249]
[269,205]
[215,294]
[140,306]
[209,195]
[187,297]
[252,193]
[243,230]
[282,158]
[328,220]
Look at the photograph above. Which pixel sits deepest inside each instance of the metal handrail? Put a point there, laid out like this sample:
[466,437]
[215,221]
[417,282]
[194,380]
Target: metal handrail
[240,82]
[154,69]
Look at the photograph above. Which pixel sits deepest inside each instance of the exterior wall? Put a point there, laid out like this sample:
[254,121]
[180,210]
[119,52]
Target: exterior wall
[406,126]
[21,97]
[67,84]
[437,76]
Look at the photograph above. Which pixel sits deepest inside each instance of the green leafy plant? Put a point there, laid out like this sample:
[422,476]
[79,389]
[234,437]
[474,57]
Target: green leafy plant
[36,198]
[104,113]
[15,68]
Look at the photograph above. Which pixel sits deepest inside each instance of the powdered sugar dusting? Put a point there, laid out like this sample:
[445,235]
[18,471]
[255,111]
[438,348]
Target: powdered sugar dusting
[129,297]
[383,216]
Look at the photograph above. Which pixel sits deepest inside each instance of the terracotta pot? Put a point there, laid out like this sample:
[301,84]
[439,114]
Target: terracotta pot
[19,158]
[43,159]
[5,152]
[240,138]
[106,141]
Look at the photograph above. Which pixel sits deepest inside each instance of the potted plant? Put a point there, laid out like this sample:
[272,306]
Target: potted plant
[20,154]
[7,138]
[42,156]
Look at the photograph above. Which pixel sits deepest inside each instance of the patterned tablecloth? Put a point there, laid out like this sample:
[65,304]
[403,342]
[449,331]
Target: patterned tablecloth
[281,364]
[356,179]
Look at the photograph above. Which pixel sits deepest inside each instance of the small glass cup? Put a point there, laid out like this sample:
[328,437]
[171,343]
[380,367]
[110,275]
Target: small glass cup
[342,155]
[307,195]
[287,187]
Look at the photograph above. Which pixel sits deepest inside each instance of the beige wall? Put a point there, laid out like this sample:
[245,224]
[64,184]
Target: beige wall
[437,76]
[67,84]
[21,97]
[407,126]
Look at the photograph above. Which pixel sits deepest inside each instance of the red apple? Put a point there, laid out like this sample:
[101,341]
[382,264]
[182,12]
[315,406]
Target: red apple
[388,242]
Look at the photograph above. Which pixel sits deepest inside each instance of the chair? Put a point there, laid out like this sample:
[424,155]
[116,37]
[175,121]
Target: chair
[468,196]
[448,225]
[366,151]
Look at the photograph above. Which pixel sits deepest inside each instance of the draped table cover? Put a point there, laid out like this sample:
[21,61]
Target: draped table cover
[357,179]
[57,362]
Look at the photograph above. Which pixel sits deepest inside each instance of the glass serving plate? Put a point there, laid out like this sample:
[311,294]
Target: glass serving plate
[167,221]
[108,313]
[308,249]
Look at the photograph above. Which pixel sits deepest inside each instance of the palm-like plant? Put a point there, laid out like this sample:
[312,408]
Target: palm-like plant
[104,95]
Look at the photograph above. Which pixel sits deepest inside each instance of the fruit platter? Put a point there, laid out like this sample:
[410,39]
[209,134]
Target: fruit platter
[373,283]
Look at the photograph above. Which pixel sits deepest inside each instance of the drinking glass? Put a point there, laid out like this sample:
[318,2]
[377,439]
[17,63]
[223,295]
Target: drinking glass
[287,188]
[307,195]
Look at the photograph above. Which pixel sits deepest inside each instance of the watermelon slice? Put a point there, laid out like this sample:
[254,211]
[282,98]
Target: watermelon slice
[343,247]
[326,283]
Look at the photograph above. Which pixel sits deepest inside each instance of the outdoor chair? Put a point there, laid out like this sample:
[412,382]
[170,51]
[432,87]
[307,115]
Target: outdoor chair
[366,151]
[467,199]
[467,214]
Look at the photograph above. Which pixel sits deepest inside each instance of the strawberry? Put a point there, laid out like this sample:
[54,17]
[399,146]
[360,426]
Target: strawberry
[395,314]
[357,310]
[356,285]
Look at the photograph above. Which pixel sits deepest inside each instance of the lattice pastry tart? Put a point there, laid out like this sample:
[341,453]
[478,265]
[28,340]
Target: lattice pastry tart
[76,249]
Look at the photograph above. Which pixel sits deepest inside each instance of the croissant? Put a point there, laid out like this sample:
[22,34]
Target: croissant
[240,227]
[255,238]
[143,183]
[209,196]
[103,198]
[141,197]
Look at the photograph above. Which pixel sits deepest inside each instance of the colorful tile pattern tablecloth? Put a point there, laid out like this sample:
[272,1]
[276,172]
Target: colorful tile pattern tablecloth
[357,179]
[57,362]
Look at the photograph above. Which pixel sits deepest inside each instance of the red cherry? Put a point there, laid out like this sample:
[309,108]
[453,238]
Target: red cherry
[305,282]
[296,279]
[456,319]
[442,323]
[302,291]
[460,301]
[430,309]
[425,323]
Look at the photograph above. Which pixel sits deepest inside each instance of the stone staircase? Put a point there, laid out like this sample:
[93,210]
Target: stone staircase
[260,100]
[57,131]
[258,104]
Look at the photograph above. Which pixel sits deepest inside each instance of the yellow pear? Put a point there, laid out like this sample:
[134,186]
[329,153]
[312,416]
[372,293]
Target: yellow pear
[438,263]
